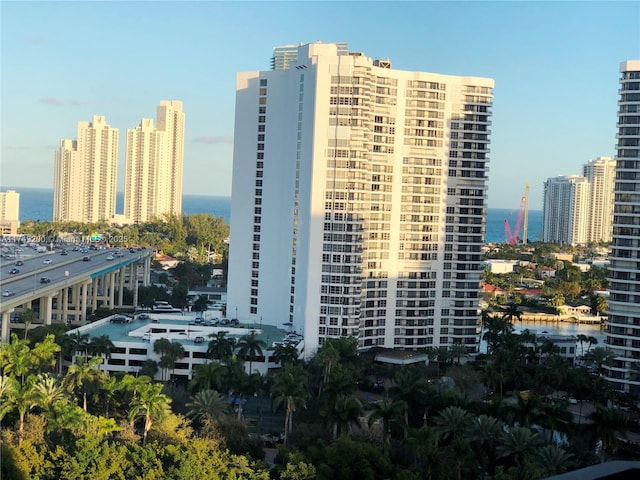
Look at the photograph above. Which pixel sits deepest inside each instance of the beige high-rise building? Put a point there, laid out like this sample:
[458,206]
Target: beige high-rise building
[154,165]
[85,173]
[601,174]
[9,212]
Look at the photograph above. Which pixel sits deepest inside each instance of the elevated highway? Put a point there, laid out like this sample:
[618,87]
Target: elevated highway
[66,286]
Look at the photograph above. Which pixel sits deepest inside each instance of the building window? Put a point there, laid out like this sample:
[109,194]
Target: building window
[263,82]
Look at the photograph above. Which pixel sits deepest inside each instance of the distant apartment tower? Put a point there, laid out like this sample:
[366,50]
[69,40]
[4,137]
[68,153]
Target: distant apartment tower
[623,325]
[154,165]
[601,176]
[565,212]
[85,170]
[9,212]
[358,201]
[287,54]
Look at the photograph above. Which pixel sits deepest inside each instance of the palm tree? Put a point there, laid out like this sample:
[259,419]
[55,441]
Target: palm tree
[108,390]
[28,317]
[600,356]
[552,460]
[512,312]
[518,443]
[251,346]
[607,426]
[343,412]
[327,357]
[452,422]
[290,386]
[207,376]
[389,411]
[15,358]
[582,339]
[484,432]
[286,353]
[410,387]
[100,346]
[82,374]
[457,351]
[152,405]
[220,347]
[208,404]
[170,352]
[80,342]
[48,390]
[24,398]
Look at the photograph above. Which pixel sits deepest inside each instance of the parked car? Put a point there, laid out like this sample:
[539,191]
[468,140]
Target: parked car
[120,319]
[13,271]
[8,293]
[45,280]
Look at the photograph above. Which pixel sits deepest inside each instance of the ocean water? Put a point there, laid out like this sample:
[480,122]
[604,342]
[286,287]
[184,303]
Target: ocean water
[37,204]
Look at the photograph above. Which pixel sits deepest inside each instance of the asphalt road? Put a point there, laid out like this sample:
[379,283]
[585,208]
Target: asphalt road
[62,269]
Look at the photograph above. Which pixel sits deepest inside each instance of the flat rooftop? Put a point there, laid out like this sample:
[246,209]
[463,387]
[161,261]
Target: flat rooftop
[181,328]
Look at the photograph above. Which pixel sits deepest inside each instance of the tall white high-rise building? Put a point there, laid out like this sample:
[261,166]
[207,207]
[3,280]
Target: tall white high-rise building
[565,213]
[154,165]
[359,201]
[85,174]
[9,212]
[623,324]
[601,176]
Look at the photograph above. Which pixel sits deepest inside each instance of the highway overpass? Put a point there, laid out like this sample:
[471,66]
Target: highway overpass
[73,285]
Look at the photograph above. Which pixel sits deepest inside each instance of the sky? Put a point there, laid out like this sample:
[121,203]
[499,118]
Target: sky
[555,65]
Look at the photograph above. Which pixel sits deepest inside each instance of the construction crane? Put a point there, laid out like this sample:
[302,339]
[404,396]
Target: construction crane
[523,213]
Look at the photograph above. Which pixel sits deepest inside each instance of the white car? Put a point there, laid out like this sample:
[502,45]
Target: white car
[8,293]
[47,261]
[110,257]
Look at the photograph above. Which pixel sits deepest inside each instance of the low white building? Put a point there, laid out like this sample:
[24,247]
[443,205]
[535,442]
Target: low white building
[500,266]
[133,341]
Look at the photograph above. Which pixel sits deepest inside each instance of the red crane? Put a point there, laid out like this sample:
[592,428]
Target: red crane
[512,239]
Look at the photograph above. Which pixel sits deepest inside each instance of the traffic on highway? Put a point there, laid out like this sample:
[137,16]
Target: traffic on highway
[33,271]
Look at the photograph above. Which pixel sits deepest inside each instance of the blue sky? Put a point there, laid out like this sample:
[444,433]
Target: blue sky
[555,65]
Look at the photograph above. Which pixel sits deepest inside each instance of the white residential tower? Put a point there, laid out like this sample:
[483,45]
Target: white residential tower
[623,325]
[565,214]
[601,176]
[154,165]
[85,169]
[359,198]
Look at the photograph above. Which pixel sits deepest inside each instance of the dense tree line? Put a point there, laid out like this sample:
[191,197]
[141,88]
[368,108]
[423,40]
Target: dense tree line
[342,415]
[188,237]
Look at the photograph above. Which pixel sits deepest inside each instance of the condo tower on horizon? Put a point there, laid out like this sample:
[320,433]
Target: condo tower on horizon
[85,170]
[623,323]
[85,174]
[358,200]
[578,210]
[154,165]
